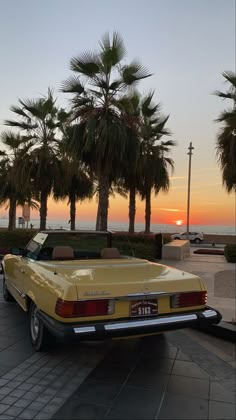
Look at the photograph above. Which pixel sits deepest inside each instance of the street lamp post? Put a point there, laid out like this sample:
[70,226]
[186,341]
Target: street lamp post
[190,148]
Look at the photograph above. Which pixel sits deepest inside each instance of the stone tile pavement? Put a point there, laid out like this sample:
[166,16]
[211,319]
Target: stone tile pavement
[175,376]
[153,378]
[36,385]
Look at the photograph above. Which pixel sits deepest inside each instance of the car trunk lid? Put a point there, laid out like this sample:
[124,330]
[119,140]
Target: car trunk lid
[122,277]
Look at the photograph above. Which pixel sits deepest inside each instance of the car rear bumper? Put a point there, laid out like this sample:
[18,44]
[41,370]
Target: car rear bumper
[129,327]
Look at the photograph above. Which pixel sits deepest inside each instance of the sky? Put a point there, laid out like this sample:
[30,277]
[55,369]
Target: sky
[186,45]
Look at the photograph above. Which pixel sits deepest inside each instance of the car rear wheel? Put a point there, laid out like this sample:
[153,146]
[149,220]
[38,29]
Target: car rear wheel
[197,241]
[6,294]
[40,337]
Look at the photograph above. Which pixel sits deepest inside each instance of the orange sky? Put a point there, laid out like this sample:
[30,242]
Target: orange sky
[210,205]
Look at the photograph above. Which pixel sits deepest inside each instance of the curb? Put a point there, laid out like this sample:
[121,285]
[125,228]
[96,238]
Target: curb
[224,330]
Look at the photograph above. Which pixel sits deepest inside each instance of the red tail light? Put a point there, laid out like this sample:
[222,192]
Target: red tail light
[181,300]
[76,309]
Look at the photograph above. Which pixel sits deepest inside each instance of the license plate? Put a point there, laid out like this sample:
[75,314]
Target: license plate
[143,308]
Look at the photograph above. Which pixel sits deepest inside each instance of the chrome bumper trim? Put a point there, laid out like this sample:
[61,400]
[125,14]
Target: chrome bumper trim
[149,322]
[209,313]
[141,324]
[81,330]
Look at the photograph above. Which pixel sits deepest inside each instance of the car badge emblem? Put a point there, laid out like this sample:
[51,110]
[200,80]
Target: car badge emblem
[97,293]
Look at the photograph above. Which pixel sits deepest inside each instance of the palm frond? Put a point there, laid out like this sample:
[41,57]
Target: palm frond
[230,77]
[72,85]
[225,95]
[87,64]
[22,125]
[11,139]
[112,52]
[149,109]
[18,110]
[134,72]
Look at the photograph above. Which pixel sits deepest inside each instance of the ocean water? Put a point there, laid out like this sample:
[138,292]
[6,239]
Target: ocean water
[139,227]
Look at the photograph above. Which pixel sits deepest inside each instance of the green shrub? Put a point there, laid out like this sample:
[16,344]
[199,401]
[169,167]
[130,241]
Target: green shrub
[230,253]
[166,238]
[147,246]
[138,245]
[15,238]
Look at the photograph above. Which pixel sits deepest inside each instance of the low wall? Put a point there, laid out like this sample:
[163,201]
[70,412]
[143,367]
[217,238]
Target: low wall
[219,239]
[176,250]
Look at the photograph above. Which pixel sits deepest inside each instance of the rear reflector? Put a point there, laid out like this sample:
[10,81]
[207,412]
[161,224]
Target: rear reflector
[76,309]
[181,300]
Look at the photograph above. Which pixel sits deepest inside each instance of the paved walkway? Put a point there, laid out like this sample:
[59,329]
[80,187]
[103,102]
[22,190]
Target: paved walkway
[219,277]
[183,374]
[152,378]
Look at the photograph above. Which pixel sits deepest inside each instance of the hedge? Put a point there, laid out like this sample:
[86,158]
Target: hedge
[16,238]
[230,253]
[147,246]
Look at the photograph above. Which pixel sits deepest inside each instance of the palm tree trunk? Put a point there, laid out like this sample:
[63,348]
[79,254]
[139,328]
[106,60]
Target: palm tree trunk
[98,220]
[72,211]
[43,209]
[12,214]
[132,208]
[148,210]
[104,201]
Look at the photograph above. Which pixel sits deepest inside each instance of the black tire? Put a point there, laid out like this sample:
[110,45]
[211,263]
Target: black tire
[197,241]
[5,292]
[40,337]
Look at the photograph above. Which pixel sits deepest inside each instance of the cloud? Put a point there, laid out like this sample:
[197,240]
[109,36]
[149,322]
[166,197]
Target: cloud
[173,178]
[207,185]
[179,188]
[173,210]
[215,168]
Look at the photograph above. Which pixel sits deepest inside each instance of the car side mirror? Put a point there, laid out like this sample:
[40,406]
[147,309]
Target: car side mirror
[16,251]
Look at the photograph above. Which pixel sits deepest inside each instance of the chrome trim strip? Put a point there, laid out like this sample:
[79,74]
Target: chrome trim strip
[90,267]
[150,322]
[17,290]
[147,295]
[81,330]
[129,297]
[209,313]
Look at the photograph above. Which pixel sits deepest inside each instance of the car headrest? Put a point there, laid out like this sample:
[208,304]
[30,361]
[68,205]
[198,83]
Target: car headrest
[110,253]
[62,253]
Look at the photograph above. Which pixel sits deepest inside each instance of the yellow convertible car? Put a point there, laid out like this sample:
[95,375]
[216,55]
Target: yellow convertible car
[75,284]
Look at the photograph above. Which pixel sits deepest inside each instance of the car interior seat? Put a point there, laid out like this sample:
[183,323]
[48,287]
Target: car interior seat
[62,253]
[110,253]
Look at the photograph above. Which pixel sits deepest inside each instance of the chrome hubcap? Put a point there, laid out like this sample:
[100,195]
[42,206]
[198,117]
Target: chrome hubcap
[34,324]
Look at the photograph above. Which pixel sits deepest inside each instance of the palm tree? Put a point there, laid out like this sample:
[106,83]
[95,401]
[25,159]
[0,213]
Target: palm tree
[77,183]
[154,163]
[155,175]
[130,168]
[12,190]
[226,141]
[100,137]
[7,192]
[38,121]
